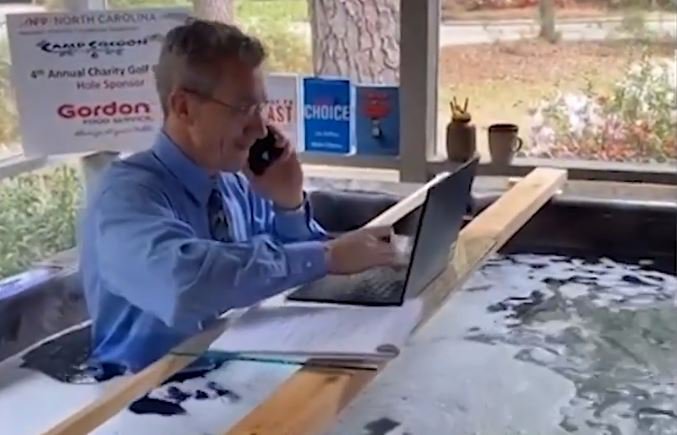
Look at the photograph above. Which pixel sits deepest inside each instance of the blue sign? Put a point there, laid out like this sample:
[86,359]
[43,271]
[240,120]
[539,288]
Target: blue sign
[327,114]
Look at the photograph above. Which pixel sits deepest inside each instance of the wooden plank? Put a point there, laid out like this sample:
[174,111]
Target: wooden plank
[311,400]
[405,206]
[313,397]
[132,387]
[516,206]
[514,180]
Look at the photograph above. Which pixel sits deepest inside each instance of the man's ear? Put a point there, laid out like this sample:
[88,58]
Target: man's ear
[181,106]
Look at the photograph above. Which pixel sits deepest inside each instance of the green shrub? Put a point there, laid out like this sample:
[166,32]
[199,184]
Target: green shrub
[37,216]
[646,102]
[288,48]
[9,117]
[636,122]
[287,10]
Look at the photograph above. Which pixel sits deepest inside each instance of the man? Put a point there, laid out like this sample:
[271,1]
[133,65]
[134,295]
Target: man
[182,232]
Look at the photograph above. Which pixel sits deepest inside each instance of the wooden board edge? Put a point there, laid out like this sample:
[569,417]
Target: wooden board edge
[128,389]
[514,180]
[309,401]
[405,206]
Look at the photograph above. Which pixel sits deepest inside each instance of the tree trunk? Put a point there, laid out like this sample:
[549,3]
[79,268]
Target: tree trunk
[356,39]
[546,11]
[217,10]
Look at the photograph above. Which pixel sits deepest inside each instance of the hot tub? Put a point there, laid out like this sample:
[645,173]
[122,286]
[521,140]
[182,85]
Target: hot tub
[571,328]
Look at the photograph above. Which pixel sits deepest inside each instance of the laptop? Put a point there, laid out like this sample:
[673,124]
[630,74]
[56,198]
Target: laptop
[434,235]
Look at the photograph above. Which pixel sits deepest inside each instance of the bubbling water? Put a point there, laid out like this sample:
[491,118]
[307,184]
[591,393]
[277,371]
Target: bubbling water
[609,328]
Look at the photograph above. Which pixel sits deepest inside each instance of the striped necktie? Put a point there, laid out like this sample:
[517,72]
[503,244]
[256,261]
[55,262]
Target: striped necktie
[218,225]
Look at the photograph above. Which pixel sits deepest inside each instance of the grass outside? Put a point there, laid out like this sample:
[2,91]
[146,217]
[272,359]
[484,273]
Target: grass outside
[566,9]
[524,13]
[505,81]
[289,10]
[575,13]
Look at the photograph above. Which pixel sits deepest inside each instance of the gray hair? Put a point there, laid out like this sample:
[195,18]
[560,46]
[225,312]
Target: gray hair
[192,57]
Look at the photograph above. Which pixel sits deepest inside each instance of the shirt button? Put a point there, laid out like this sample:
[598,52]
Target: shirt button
[309,264]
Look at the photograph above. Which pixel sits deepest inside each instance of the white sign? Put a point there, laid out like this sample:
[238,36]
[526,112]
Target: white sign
[283,105]
[84,81]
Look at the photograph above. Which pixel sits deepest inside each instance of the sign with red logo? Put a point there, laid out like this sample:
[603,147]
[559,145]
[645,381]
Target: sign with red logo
[283,105]
[84,81]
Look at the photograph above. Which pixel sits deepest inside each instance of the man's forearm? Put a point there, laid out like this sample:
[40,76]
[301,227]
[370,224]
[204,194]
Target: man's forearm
[190,280]
[218,286]
[297,224]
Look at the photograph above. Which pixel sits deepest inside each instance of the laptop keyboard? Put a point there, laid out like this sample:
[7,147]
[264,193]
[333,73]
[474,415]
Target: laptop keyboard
[383,285]
[380,283]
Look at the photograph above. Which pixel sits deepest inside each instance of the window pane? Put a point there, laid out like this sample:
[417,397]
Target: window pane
[37,216]
[10,137]
[282,25]
[602,89]
[283,28]
[37,209]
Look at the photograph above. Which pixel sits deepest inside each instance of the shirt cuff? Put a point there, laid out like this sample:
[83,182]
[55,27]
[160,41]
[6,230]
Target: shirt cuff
[306,261]
[294,224]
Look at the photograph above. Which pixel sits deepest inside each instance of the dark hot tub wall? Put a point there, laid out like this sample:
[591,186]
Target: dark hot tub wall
[40,311]
[340,210]
[620,230]
[566,225]
[50,307]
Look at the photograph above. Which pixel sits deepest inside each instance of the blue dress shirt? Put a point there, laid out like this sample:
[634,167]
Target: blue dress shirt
[151,272]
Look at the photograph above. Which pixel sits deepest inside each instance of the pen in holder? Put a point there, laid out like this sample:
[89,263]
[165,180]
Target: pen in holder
[461,133]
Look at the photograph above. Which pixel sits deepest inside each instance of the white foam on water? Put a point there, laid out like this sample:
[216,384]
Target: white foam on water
[537,345]
[532,345]
[574,290]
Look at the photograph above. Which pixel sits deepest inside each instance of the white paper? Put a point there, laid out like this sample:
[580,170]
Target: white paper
[321,330]
[283,105]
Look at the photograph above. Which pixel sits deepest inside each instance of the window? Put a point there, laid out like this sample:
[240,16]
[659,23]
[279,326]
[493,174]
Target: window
[599,85]
[9,120]
[37,208]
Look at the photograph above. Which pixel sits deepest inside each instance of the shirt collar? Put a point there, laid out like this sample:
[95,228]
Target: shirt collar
[194,178]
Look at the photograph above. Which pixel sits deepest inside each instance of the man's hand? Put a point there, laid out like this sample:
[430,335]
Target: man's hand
[282,182]
[360,250]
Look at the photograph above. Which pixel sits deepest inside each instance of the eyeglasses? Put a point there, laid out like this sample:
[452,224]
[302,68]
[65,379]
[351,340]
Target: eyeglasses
[242,109]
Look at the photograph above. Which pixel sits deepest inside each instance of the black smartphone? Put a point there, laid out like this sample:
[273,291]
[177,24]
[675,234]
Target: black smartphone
[263,153]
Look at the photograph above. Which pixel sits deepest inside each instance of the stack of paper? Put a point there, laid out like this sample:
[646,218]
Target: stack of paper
[300,331]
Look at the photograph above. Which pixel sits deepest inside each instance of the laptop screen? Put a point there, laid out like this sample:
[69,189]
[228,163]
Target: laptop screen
[441,221]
